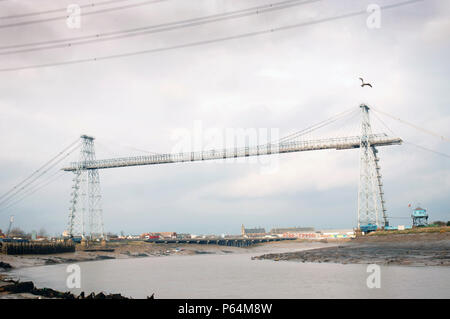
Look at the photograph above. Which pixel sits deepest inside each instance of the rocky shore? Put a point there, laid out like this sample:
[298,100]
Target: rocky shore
[406,250]
[13,289]
[113,251]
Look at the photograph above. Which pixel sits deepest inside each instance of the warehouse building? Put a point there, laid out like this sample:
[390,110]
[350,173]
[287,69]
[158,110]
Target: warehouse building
[253,232]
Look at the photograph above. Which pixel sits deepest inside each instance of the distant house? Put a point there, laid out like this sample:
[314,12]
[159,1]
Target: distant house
[167,234]
[183,236]
[302,235]
[253,232]
[160,235]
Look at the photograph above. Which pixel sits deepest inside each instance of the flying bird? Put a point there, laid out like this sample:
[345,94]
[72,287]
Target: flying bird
[364,84]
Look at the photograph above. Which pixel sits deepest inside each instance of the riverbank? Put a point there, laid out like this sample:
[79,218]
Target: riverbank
[124,251]
[411,249]
[14,289]
[112,251]
[138,249]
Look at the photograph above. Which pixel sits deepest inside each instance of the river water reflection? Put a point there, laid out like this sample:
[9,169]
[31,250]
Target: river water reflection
[235,275]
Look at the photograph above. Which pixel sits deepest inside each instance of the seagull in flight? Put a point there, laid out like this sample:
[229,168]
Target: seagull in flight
[364,84]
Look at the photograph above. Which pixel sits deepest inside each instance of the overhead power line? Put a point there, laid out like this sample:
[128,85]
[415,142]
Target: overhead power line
[128,6]
[205,42]
[89,5]
[120,34]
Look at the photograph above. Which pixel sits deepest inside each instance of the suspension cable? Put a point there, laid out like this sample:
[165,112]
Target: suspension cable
[411,143]
[314,127]
[57,175]
[444,138]
[9,198]
[39,169]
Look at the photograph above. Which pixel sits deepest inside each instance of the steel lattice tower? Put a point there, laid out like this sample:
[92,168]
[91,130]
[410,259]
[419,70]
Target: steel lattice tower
[85,213]
[371,204]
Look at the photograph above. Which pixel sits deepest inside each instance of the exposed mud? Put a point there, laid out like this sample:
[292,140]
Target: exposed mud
[407,250]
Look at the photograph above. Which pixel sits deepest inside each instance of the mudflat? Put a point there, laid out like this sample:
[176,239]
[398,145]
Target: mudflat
[416,249]
[112,251]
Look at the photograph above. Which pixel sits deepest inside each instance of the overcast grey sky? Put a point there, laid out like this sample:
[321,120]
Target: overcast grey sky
[285,80]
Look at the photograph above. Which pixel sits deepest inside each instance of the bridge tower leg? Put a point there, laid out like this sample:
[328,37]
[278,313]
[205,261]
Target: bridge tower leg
[85,213]
[371,204]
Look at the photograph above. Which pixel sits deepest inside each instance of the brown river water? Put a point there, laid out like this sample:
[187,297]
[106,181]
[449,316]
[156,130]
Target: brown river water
[236,275]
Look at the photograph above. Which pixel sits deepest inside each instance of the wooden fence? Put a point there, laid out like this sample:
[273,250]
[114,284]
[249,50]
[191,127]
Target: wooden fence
[36,248]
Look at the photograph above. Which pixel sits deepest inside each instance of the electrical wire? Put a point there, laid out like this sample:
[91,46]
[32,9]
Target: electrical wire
[18,24]
[204,42]
[121,34]
[89,5]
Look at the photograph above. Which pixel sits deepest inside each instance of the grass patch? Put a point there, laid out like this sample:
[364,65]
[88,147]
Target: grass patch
[419,230]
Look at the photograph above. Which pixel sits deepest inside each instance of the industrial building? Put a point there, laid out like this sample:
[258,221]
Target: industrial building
[337,233]
[252,232]
[419,217]
[322,234]
[160,235]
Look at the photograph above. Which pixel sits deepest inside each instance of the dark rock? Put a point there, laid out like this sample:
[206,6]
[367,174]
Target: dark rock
[201,252]
[90,296]
[68,295]
[28,287]
[115,296]
[19,287]
[47,292]
[100,295]
[5,266]
[100,257]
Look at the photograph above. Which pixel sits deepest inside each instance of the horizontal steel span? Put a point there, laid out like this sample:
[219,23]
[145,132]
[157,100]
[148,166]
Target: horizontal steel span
[267,149]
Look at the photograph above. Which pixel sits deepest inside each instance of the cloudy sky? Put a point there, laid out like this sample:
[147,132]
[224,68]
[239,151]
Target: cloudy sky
[285,81]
